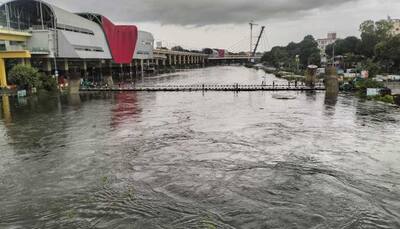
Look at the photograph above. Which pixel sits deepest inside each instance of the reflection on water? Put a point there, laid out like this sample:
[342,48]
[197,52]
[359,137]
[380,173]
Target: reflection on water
[199,160]
[126,109]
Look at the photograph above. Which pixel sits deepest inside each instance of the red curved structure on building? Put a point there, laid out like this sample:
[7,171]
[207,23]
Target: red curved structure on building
[121,39]
[221,52]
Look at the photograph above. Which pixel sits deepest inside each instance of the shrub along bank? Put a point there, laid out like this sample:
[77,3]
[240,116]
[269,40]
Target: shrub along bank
[26,77]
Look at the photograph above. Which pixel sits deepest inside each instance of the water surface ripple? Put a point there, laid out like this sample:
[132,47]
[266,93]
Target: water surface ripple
[199,160]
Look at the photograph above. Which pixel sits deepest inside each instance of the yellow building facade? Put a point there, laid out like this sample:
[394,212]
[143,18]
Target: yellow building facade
[13,46]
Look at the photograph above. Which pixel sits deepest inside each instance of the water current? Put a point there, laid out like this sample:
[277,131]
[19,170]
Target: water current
[199,160]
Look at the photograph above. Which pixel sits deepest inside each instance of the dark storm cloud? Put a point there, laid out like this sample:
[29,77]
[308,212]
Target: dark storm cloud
[197,12]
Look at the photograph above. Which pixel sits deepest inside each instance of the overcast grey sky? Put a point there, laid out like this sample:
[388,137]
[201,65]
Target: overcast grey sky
[223,23]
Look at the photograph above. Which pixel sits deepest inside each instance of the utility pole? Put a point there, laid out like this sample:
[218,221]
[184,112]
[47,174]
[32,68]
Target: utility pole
[7,16]
[41,14]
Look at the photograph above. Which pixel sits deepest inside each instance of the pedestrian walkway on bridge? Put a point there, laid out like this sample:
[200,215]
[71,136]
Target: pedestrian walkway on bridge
[215,87]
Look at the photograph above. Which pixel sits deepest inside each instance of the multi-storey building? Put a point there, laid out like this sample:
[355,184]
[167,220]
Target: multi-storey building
[323,43]
[57,41]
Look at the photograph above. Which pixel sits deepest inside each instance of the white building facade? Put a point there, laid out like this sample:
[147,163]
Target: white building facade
[323,43]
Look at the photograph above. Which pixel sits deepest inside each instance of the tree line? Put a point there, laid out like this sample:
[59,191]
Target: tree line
[378,50]
[294,55]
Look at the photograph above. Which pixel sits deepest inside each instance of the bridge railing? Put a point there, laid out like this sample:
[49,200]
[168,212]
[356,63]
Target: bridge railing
[212,87]
[270,85]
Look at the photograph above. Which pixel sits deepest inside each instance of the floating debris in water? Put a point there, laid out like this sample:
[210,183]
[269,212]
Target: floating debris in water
[282,96]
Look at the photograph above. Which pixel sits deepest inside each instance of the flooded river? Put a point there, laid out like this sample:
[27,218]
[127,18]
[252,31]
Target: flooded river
[199,160]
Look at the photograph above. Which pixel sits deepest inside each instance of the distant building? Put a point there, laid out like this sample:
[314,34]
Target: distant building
[323,43]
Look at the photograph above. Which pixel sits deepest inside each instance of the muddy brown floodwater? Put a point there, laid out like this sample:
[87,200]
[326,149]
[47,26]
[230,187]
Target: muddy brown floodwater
[199,160]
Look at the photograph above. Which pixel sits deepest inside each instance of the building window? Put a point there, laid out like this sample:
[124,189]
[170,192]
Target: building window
[74,29]
[88,48]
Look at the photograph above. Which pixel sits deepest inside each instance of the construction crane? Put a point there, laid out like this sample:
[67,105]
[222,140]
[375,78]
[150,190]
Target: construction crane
[258,41]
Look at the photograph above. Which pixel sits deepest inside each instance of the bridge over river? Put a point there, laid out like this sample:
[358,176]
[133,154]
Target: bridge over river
[217,87]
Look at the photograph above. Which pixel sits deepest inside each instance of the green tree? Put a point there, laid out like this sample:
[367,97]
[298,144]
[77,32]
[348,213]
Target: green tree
[372,33]
[345,46]
[307,50]
[372,67]
[388,53]
[47,83]
[27,77]
[24,76]
[179,49]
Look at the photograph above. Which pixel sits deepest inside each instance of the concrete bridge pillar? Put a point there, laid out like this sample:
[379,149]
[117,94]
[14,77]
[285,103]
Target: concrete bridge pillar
[100,66]
[311,75]
[121,73]
[331,85]
[66,65]
[75,81]
[131,71]
[47,67]
[142,68]
[109,77]
[3,78]
[84,69]
[6,107]
[134,70]
[65,68]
